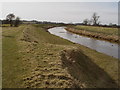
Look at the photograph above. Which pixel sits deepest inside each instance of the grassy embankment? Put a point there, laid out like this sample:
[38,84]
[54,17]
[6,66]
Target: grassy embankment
[105,33]
[34,58]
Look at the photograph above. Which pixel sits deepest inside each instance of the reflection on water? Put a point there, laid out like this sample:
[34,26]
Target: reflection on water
[105,47]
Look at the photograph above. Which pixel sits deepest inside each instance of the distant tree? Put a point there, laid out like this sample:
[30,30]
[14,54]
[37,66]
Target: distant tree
[95,19]
[85,22]
[10,18]
[112,25]
[17,22]
[90,22]
[0,21]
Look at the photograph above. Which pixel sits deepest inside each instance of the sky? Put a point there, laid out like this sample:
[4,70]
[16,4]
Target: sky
[68,12]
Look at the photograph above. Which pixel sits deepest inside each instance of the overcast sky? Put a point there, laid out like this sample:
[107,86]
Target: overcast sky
[62,11]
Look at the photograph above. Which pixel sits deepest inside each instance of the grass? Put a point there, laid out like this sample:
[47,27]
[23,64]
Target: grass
[105,33]
[85,70]
[4,25]
[103,30]
[12,67]
[32,59]
[20,57]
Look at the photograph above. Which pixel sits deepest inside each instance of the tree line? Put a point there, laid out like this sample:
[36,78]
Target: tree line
[15,21]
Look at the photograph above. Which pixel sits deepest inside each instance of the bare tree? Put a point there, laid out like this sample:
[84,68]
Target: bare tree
[10,18]
[95,19]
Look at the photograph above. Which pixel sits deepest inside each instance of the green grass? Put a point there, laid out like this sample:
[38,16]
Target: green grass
[29,51]
[47,37]
[103,30]
[12,66]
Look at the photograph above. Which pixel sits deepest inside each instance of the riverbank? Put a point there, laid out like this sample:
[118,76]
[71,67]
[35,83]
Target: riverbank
[104,33]
[33,58]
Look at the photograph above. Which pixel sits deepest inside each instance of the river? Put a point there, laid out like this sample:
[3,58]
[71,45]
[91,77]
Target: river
[102,46]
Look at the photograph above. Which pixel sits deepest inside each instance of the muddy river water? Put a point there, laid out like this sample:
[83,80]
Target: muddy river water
[102,46]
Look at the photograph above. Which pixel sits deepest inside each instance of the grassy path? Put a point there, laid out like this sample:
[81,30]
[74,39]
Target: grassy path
[33,58]
[12,66]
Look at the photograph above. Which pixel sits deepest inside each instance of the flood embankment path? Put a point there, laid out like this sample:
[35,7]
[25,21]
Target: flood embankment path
[108,48]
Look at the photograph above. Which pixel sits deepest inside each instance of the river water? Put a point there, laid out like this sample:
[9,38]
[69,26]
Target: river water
[102,46]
